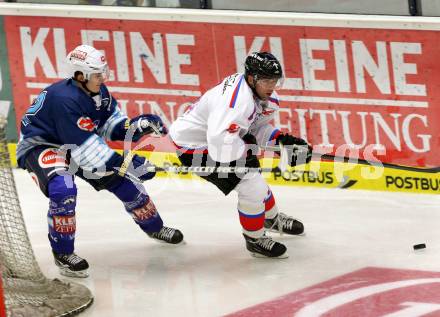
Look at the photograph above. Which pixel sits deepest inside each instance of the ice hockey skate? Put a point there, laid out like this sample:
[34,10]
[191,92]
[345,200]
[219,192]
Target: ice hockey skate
[167,235]
[283,223]
[71,265]
[265,247]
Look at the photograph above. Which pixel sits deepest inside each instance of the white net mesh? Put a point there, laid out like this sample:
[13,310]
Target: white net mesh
[27,292]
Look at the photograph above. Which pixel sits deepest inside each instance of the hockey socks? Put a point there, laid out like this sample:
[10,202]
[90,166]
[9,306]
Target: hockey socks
[139,205]
[61,214]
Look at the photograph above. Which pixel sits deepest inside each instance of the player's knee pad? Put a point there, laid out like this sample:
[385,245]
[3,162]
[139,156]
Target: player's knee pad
[252,190]
[60,187]
[61,215]
[251,203]
[139,205]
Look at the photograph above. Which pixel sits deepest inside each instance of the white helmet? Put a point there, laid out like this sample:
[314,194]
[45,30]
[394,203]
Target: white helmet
[88,60]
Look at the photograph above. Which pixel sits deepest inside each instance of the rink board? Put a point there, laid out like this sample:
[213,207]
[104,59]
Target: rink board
[369,83]
[319,174]
[335,175]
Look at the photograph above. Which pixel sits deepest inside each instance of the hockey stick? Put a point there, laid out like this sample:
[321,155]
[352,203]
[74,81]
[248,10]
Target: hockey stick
[210,169]
[346,159]
[282,166]
[201,170]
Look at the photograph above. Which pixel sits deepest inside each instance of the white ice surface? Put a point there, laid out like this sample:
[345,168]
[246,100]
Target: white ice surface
[213,274]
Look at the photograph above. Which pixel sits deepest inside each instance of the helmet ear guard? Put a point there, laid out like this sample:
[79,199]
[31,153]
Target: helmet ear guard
[87,60]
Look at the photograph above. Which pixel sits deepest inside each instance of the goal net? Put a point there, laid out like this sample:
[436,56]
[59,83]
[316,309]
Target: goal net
[26,291]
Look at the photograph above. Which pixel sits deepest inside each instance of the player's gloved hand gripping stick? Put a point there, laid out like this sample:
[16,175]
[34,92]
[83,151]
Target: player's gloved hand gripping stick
[146,124]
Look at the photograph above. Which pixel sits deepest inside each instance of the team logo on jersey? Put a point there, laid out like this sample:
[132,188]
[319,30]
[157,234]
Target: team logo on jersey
[233,128]
[64,224]
[145,212]
[51,158]
[86,124]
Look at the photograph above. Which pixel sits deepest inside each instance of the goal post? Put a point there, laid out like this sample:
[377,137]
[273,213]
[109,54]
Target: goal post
[2,301]
[26,291]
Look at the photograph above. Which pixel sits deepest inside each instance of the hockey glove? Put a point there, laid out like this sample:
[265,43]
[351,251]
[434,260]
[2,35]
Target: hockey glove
[146,124]
[299,150]
[250,159]
[136,167]
[249,139]
[252,148]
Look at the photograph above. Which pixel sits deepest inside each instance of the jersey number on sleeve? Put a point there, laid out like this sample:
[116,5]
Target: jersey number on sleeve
[34,108]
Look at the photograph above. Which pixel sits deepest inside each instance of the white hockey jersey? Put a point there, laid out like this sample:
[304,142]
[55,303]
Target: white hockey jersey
[222,116]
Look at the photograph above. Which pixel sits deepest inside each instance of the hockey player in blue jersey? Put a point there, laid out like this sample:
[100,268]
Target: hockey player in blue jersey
[63,135]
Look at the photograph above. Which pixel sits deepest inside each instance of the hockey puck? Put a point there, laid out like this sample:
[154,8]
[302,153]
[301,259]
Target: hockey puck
[419,246]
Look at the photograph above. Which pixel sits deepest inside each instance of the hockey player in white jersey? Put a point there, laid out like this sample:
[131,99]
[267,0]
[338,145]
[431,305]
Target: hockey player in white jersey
[223,128]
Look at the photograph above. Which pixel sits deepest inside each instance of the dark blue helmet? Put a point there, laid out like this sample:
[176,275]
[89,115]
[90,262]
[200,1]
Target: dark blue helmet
[263,65]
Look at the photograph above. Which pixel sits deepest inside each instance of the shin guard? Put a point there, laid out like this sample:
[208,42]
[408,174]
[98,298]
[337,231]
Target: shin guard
[139,205]
[61,216]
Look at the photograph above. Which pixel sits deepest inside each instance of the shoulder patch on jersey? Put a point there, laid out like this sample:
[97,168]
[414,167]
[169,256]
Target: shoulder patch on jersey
[86,124]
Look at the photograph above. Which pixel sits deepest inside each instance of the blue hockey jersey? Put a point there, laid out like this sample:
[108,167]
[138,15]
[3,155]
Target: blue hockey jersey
[65,115]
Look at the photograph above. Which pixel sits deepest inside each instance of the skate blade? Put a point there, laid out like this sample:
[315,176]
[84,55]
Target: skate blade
[77,274]
[261,256]
[284,233]
[168,243]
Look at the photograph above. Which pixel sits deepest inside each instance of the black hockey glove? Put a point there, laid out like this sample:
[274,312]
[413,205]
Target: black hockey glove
[136,167]
[252,149]
[299,149]
[250,160]
[249,139]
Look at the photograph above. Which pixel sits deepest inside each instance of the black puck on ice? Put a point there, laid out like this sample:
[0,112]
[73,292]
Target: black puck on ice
[419,246]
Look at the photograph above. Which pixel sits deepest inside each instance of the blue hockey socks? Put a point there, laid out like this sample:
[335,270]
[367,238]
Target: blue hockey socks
[61,214]
[139,205]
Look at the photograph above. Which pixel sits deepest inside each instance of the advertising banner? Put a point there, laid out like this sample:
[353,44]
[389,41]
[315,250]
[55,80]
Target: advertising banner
[370,93]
